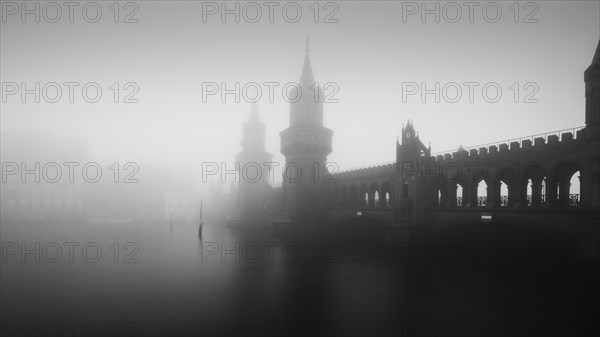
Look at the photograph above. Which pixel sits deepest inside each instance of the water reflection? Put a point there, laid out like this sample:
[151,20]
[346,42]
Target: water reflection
[240,283]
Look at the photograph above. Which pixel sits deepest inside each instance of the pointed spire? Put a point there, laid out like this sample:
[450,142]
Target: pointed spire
[307,75]
[307,43]
[596,58]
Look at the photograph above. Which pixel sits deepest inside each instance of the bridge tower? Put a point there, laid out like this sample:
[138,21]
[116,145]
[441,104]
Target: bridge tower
[253,190]
[305,145]
[590,184]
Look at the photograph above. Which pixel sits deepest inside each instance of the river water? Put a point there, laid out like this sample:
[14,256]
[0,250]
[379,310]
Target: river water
[118,278]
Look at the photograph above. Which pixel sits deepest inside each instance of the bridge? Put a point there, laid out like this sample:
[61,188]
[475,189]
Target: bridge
[524,184]
[544,186]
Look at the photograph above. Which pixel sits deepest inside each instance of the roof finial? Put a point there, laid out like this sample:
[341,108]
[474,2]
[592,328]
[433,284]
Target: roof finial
[307,43]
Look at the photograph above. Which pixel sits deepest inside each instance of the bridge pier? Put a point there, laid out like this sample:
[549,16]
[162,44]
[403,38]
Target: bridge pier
[551,191]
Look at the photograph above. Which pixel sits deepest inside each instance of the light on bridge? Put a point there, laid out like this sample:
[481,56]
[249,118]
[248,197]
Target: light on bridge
[486,217]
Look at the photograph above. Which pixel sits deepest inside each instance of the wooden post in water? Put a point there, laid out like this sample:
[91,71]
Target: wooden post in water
[200,225]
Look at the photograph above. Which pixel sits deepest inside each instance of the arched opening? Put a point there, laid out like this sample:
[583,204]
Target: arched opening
[363,196]
[560,186]
[574,189]
[544,187]
[503,194]
[385,194]
[459,195]
[482,192]
[376,197]
[439,200]
[529,195]
[372,192]
[535,190]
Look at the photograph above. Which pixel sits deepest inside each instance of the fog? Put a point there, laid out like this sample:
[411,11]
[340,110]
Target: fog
[170,52]
[120,125]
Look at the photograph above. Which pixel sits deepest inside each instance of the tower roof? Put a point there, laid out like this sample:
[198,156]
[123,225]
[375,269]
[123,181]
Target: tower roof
[307,77]
[596,59]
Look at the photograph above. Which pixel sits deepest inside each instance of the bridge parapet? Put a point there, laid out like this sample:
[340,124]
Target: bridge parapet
[542,142]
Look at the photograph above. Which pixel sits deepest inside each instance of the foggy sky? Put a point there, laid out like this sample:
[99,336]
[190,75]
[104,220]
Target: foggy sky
[170,52]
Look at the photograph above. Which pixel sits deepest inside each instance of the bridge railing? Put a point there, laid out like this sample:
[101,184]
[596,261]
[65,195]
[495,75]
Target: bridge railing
[573,201]
[529,199]
[532,138]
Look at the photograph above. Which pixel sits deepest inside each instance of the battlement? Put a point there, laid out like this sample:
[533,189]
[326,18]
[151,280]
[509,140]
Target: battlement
[366,170]
[515,146]
[542,142]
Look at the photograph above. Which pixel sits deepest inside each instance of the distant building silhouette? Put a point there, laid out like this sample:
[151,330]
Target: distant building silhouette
[181,206]
[253,189]
[33,196]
